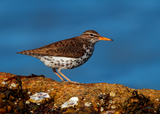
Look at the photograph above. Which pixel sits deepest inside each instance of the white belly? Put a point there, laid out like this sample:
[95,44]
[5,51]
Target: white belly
[65,62]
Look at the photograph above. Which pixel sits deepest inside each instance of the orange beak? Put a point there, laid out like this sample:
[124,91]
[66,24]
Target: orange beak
[104,38]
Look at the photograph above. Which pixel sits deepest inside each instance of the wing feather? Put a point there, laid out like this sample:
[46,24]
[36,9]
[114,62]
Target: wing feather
[66,48]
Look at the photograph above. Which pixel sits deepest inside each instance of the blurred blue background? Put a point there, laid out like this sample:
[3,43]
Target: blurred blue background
[132,59]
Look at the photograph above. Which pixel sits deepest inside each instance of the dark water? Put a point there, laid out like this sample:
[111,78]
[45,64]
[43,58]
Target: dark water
[133,59]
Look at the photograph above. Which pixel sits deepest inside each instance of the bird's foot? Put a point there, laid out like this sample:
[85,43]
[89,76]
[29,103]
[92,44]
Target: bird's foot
[72,82]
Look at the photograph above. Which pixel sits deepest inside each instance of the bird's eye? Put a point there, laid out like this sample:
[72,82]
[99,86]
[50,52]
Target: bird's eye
[91,35]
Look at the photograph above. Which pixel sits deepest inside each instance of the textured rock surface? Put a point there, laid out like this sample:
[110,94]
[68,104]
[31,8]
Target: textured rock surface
[92,98]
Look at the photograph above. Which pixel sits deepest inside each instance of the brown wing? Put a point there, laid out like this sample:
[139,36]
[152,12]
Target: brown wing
[66,48]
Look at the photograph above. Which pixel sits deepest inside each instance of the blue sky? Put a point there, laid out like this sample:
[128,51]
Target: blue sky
[132,59]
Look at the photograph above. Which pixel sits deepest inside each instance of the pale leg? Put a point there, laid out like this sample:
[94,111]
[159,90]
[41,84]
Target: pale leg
[54,70]
[59,70]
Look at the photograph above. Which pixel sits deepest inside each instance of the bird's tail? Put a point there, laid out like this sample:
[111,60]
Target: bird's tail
[26,52]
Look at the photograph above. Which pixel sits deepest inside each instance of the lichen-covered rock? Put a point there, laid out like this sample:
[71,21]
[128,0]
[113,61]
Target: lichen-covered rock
[15,92]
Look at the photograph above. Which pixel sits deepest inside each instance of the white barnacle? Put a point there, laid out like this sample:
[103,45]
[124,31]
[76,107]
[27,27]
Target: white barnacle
[70,103]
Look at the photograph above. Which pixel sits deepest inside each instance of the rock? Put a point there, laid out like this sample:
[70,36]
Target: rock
[92,98]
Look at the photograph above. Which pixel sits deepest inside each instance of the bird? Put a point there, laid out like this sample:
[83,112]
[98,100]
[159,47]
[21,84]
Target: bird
[68,53]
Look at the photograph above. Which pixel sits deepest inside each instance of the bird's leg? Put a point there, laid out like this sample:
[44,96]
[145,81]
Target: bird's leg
[59,70]
[54,70]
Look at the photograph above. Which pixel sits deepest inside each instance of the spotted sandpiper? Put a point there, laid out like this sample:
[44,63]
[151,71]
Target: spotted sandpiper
[67,54]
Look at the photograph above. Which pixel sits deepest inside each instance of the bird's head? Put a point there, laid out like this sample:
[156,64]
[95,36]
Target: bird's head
[93,36]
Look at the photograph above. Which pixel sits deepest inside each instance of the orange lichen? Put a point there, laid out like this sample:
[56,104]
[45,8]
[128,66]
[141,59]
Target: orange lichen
[95,97]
